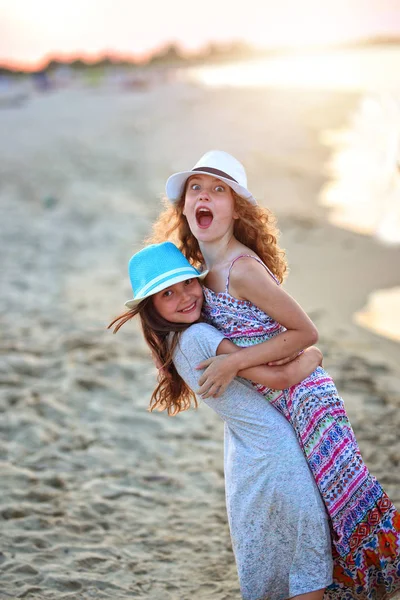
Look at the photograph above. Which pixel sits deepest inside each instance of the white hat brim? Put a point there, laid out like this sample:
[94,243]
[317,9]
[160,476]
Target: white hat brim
[164,285]
[175,184]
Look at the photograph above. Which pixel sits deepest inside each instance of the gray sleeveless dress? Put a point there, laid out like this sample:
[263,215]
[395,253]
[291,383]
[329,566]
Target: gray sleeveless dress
[278,524]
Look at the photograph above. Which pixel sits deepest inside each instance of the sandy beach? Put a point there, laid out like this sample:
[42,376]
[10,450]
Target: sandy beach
[100,498]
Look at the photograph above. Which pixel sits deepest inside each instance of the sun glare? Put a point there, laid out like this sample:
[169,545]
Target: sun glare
[346,70]
[382,313]
[363,193]
[29,30]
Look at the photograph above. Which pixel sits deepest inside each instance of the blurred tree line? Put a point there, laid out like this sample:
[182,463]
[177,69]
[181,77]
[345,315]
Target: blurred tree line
[170,55]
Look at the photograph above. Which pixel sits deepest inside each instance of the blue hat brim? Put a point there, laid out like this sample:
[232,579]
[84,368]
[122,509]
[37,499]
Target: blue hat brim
[166,284]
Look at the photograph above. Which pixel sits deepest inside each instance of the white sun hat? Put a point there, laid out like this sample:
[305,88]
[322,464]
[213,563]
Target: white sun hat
[157,267]
[218,163]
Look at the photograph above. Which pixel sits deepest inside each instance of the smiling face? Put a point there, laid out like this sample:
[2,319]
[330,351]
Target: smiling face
[209,207]
[181,302]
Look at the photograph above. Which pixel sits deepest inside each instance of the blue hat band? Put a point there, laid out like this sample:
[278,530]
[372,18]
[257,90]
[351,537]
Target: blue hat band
[160,279]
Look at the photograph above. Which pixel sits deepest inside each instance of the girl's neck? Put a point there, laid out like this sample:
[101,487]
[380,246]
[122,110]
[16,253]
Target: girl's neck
[220,251]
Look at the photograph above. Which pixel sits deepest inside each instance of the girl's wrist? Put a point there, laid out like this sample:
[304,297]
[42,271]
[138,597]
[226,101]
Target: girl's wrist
[237,361]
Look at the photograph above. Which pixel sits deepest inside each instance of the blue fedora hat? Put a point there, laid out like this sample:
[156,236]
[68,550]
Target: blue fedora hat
[157,267]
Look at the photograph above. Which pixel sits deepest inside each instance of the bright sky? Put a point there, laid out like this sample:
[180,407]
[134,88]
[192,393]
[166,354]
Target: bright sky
[33,29]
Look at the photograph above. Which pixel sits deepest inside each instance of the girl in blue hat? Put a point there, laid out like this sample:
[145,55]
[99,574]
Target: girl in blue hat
[219,226]
[278,524]
[168,298]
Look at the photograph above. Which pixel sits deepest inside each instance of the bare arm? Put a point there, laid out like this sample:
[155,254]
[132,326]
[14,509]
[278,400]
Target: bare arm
[277,378]
[250,281]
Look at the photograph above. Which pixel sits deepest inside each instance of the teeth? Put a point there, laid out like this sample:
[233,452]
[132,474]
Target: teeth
[206,210]
[188,308]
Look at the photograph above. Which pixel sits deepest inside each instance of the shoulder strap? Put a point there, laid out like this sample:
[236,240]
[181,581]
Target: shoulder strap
[248,256]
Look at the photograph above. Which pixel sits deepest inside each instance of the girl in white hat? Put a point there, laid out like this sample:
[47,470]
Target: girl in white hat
[217,223]
[279,528]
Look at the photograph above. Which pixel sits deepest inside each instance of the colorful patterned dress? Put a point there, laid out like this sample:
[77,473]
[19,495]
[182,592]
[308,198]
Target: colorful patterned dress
[365,525]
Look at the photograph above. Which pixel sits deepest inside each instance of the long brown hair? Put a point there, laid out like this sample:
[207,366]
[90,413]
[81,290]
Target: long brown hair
[256,228]
[172,393]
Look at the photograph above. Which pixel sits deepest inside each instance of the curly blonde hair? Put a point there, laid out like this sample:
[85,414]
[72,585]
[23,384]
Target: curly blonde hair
[256,228]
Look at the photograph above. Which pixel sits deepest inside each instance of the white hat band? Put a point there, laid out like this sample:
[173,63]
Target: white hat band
[166,275]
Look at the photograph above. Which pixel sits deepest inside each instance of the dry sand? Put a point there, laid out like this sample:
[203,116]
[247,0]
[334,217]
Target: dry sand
[101,499]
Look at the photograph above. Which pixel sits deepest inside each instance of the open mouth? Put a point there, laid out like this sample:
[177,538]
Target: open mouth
[188,309]
[204,217]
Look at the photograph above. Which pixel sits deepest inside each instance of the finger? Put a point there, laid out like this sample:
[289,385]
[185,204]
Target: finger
[211,391]
[205,386]
[279,363]
[202,379]
[220,391]
[204,364]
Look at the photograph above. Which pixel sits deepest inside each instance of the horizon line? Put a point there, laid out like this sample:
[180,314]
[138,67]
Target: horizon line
[143,58]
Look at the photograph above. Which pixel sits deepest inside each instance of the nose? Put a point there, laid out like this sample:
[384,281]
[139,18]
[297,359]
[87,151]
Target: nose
[184,296]
[204,196]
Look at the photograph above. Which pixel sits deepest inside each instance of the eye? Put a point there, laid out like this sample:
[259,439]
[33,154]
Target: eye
[195,186]
[219,188]
[189,281]
[167,294]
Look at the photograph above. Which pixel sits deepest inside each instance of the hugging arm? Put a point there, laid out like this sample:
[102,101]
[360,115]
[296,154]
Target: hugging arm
[277,378]
[250,281]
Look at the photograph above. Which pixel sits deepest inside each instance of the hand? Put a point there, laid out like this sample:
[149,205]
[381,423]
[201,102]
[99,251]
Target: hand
[219,372]
[283,361]
[318,354]
[315,354]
